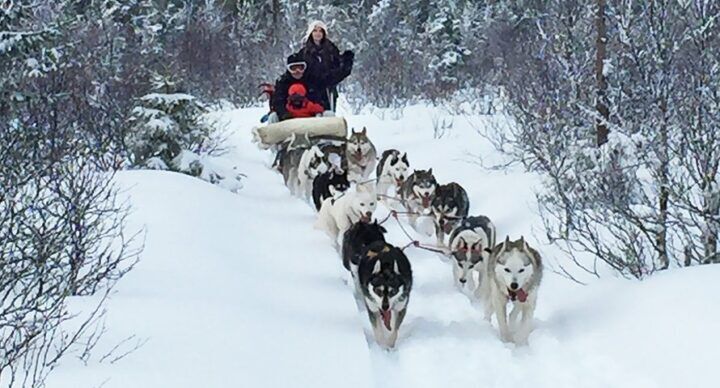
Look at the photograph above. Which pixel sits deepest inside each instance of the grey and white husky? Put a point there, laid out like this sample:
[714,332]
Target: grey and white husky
[515,270]
[449,205]
[417,193]
[361,156]
[289,144]
[471,244]
[289,161]
[391,172]
[385,278]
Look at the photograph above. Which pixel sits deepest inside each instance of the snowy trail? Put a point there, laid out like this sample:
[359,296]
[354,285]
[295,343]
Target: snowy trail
[240,290]
[580,339]
[444,338]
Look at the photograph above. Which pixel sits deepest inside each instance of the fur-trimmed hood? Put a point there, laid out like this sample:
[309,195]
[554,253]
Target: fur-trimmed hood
[311,27]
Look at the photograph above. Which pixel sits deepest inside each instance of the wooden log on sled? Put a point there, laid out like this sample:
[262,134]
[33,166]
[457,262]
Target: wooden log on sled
[312,126]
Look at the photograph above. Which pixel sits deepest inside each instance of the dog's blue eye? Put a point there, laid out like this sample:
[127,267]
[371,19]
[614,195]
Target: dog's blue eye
[507,270]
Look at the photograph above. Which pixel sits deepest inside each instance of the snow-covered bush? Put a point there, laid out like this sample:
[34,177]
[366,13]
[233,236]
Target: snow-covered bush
[169,131]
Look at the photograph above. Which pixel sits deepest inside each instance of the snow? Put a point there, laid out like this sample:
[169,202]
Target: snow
[240,290]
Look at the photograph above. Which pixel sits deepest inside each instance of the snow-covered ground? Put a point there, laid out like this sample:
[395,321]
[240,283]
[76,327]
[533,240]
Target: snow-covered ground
[239,290]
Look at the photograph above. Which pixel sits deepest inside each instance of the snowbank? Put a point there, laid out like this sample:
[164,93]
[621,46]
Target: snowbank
[240,290]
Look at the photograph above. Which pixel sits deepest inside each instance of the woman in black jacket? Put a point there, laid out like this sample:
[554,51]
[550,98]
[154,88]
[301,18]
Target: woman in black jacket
[322,57]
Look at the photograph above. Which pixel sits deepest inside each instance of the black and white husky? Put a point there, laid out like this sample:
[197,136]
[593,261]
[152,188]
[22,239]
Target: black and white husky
[329,184]
[355,239]
[385,279]
[417,193]
[449,205]
[515,271]
[361,156]
[391,172]
[289,161]
[471,244]
[312,163]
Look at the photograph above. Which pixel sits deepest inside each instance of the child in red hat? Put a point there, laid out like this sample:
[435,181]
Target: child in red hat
[298,105]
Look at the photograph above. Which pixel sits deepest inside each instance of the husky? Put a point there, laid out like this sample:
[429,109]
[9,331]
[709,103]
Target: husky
[391,171]
[329,184]
[312,163]
[290,163]
[417,193]
[291,143]
[336,154]
[361,156]
[471,244]
[385,279]
[515,270]
[338,214]
[449,205]
[360,235]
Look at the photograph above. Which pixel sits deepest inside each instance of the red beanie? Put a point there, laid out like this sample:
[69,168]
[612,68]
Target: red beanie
[297,89]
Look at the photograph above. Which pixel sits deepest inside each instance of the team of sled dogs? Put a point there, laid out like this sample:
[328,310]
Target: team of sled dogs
[336,176]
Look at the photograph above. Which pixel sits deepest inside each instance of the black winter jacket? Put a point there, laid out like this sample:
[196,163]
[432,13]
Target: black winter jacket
[322,59]
[315,83]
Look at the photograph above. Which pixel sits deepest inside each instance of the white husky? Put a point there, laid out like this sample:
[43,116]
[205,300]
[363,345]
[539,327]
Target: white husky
[312,163]
[338,214]
[515,271]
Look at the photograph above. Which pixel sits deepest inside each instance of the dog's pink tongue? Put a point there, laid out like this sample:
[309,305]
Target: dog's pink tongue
[521,295]
[386,314]
[426,201]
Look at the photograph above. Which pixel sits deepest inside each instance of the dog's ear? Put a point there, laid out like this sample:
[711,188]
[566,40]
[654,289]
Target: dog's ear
[404,159]
[364,131]
[382,228]
[430,171]
[376,268]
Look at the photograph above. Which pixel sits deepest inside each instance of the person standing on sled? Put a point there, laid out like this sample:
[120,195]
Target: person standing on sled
[322,56]
[313,83]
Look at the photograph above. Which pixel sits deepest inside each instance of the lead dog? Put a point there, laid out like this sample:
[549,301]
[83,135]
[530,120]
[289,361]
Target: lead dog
[385,279]
[471,244]
[515,271]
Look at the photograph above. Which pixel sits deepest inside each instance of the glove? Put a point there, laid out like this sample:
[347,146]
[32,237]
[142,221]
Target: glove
[348,55]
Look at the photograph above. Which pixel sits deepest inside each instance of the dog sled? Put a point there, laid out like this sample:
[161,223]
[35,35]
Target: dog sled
[330,128]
